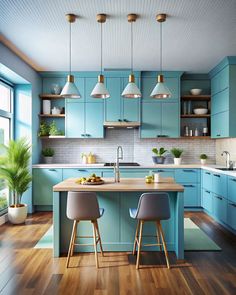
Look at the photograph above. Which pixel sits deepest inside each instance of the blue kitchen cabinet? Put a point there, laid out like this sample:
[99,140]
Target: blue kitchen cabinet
[151,120]
[220,81]
[79,172]
[231,215]
[43,181]
[219,184]
[220,125]
[187,175]
[170,120]
[220,102]
[84,120]
[165,172]
[207,202]
[207,180]
[232,189]
[220,208]
[192,195]
[75,120]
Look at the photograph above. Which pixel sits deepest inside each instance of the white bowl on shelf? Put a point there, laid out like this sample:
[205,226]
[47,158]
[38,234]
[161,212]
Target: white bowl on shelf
[200,111]
[195,91]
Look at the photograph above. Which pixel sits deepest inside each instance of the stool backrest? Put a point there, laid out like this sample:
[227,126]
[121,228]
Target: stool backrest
[82,206]
[153,206]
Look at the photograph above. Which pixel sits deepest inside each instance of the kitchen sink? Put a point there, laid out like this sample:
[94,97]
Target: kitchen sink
[227,169]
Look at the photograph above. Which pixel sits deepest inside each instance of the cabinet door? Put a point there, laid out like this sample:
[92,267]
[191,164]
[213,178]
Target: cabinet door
[219,184]
[151,120]
[75,119]
[220,102]
[165,172]
[220,125]
[130,106]
[191,195]
[43,181]
[220,208]
[231,215]
[187,175]
[79,172]
[232,189]
[94,120]
[113,103]
[207,200]
[170,119]
[89,85]
[207,180]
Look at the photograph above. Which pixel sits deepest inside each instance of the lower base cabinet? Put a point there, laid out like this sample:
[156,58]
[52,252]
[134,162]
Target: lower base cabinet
[220,208]
[191,195]
[207,200]
[231,212]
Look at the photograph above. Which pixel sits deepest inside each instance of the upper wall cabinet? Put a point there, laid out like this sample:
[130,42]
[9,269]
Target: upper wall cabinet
[118,108]
[223,88]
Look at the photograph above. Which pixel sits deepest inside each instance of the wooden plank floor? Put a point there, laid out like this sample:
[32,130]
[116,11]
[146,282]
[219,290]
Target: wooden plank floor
[24,270]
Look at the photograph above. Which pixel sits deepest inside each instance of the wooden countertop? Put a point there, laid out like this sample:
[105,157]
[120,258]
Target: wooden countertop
[125,185]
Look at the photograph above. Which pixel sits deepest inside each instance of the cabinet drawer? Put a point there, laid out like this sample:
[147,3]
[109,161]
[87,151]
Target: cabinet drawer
[219,184]
[231,212]
[43,181]
[232,189]
[207,200]
[207,180]
[165,172]
[191,195]
[220,208]
[187,175]
[80,172]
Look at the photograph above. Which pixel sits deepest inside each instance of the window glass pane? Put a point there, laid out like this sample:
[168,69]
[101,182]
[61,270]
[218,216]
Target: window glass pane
[4,196]
[5,98]
[4,130]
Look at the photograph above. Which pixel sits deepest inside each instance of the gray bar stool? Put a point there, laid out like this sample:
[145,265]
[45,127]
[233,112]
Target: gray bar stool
[83,206]
[151,207]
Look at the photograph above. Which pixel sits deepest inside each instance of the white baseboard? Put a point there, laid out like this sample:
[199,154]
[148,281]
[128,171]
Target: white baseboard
[3,218]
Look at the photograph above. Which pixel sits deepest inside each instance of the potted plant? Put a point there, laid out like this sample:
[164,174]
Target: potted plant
[176,152]
[203,158]
[54,131]
[48,154]
[14,170]
[43,129]
[159,158]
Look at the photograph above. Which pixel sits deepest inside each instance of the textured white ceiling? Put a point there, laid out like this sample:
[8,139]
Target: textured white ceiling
[196,36]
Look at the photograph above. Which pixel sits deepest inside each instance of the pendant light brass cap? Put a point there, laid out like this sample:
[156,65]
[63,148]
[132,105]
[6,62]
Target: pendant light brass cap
[161,17]
[100,79]
[71,17]
[160,79]
[70,78]
[131,78]
[101,17]
[132,17]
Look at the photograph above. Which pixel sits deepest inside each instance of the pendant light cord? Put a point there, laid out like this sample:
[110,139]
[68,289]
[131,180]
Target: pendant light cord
[70,49]
[101,49]
[161,47]
[131,47]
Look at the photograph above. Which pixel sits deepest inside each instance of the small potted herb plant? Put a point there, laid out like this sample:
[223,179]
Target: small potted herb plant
[158,158]
[48,154]
[176,152]
[203,158]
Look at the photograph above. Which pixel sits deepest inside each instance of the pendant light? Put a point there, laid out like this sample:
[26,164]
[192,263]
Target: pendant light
[131,90]
[161,90]
[100,91]
[70,90]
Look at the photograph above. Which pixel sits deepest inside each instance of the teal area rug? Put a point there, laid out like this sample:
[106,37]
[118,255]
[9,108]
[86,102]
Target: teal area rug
[194,239]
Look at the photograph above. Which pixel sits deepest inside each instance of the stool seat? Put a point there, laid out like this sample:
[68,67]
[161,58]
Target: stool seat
[133,212]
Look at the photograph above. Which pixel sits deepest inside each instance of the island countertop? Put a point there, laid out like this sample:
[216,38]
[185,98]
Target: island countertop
[125,185]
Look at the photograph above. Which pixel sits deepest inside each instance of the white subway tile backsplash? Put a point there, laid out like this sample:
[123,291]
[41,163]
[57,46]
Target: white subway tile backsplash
[135,149]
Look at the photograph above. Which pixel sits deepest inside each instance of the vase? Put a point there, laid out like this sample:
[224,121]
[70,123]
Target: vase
[177,161]
[48,160]
[203,161]
[158,159]
[46,107]
[18,214]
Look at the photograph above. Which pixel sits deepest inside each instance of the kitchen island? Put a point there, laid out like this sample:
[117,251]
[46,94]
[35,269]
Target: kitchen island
[116,227]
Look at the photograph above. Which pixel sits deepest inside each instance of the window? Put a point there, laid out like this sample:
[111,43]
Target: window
[6,116]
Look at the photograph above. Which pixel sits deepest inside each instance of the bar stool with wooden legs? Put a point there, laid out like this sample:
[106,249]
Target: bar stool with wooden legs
[151,207]
[83,206]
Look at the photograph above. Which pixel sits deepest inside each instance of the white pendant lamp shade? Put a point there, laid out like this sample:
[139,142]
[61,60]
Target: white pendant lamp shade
[131,90]
[70,90]
[100,91]
[160,91]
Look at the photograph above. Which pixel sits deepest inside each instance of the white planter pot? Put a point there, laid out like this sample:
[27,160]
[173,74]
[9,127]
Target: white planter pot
[17,215]
[177,161]
[203,161]
[48,160]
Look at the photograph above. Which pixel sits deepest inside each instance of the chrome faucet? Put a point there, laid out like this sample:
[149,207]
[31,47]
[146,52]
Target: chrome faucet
[229,164]
[119,156]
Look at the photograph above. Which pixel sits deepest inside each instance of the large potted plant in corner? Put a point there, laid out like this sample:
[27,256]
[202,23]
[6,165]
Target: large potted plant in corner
[176,152]
[159,155]
[14,171]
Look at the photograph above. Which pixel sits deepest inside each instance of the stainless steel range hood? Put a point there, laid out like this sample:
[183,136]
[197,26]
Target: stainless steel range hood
[121,124]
